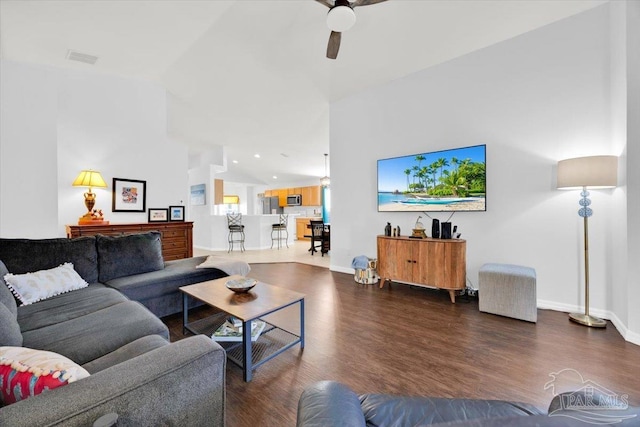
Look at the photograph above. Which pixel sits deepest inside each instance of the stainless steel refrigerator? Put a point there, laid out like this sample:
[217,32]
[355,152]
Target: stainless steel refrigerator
[271,205]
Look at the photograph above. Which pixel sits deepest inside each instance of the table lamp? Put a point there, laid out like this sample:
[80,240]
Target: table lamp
[90,178]
[582,173]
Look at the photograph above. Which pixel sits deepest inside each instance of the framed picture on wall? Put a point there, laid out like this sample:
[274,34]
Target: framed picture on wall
[129,195]
[158,214]
[198,196]
[176,213]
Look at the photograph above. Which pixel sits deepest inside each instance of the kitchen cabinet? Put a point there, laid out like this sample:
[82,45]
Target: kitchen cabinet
[218,192]
[311,196]
[282,197]
[301,227]
[439,263]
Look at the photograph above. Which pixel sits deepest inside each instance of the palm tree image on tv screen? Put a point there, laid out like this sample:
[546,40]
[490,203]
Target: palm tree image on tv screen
[449,180]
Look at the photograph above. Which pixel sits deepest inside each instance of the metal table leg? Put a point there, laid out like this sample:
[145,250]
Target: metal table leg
[246,351]
[185,313]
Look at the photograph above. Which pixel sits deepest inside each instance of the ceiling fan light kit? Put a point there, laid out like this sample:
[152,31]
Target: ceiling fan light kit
[340,18]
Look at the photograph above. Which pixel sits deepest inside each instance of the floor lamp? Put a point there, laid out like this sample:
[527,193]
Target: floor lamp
[582,173]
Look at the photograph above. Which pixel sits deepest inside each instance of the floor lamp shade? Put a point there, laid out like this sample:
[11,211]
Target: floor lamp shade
[583,173]
[590,172]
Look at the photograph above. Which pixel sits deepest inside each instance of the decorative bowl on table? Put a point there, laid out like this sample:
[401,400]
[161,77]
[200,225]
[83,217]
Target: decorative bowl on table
[241,286]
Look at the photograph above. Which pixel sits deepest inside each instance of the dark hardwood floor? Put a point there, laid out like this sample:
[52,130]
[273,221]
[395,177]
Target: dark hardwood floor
[409,340]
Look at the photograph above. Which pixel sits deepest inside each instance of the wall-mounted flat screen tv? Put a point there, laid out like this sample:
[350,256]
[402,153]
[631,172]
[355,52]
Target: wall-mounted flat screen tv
[452,180]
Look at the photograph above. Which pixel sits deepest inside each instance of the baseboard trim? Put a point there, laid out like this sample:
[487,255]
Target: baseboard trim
[622,329]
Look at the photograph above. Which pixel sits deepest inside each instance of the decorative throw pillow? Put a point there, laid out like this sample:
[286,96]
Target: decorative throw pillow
[33,287]
[25,372]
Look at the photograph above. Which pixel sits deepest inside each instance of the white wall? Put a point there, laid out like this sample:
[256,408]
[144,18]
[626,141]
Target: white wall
[28,151]
[633,173]
[534,99]
[57,123]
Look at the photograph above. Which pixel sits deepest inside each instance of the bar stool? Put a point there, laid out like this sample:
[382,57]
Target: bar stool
[279,230]
[236,231]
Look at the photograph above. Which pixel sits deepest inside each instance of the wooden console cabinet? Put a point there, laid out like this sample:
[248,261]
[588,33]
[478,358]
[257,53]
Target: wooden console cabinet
[439,263]
[177,237]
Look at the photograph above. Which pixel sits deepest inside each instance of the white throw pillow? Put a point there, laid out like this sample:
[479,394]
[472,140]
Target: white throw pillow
[43,284]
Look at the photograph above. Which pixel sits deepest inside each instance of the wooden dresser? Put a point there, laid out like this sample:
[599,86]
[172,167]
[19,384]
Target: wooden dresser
[177,237]
[439,263]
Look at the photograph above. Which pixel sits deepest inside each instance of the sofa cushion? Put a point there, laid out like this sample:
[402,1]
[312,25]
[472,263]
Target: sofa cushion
[9,328]
[384,409]
[129,254]
[25,255]
[43,284]
[6,297]
[158,290]
[89,337]
[67,306]
[128,351]
[25,372]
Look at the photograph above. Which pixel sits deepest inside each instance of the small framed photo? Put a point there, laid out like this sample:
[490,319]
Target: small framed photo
[158,215]
[129,195]
[176,213]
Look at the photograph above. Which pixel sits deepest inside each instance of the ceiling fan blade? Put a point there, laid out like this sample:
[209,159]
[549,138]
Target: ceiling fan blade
[326,3]
[364,2]
[334,45]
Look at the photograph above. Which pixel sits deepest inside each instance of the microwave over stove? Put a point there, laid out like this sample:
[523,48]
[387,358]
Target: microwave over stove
[294,200]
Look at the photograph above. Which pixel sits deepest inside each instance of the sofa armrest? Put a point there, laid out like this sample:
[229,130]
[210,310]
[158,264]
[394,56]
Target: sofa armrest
[179,384]
[329,403]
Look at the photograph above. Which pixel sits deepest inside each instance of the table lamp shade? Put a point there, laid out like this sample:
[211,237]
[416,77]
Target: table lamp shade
[89,178]
[592,172]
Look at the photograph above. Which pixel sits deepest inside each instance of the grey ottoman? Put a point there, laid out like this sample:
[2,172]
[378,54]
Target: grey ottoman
[508,290]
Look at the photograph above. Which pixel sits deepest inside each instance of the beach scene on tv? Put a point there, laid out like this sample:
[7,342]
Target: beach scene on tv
[450,180]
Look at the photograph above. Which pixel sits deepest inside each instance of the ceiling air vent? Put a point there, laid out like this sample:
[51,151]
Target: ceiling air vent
[73,55]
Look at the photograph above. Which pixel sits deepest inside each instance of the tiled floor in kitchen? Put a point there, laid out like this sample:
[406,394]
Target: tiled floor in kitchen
[296,252]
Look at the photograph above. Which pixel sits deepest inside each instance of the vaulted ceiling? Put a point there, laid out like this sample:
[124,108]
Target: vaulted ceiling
[251,75]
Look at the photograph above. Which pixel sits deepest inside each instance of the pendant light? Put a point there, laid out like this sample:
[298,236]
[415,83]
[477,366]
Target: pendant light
[325,181]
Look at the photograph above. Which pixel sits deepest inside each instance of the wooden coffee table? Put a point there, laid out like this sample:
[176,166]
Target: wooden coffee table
[260,301]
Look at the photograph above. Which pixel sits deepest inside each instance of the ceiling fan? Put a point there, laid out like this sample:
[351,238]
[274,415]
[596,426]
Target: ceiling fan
[339,19]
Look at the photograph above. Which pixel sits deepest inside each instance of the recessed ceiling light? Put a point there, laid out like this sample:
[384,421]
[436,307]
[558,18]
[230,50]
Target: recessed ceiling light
[275,177]
[234,161]
[257,156]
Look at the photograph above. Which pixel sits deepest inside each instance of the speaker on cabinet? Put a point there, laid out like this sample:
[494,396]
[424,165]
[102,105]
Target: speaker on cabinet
[446,230]
[435,228]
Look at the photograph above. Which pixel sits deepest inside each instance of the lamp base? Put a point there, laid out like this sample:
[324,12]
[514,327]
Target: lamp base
[92,219]
[583,319]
